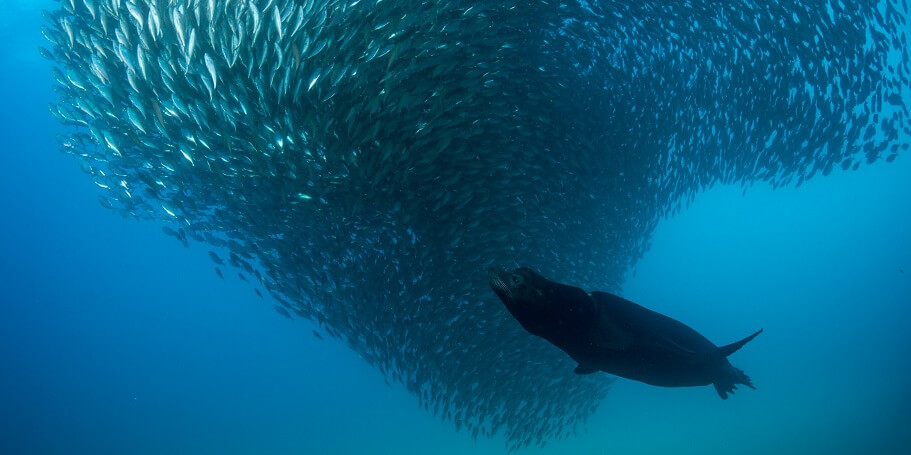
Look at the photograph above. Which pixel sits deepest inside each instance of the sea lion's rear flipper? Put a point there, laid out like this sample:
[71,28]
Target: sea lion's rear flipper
[728,377]
[729,349]
[727,382]
[585,369]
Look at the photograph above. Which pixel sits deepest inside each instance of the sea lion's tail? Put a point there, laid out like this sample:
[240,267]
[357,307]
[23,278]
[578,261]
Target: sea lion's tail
[729,349]
[731,376]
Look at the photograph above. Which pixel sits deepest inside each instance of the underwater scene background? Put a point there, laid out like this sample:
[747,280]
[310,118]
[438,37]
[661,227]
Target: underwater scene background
[117,339]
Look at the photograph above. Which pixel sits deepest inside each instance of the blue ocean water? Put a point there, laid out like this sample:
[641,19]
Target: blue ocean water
[115,339]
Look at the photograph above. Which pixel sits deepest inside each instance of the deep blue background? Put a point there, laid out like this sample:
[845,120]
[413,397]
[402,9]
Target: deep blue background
[114,339]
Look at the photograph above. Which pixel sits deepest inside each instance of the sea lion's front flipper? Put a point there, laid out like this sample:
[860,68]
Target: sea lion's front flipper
[585,369]
[729,349]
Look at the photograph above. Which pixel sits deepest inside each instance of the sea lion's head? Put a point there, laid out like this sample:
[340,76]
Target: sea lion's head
[542,306]
[521,287]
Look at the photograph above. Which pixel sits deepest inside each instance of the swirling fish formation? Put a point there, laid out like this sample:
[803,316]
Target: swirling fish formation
[365,161]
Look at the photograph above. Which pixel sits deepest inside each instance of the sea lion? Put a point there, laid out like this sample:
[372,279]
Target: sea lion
[604,332]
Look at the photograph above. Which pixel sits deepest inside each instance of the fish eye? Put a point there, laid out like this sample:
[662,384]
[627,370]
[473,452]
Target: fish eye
[516,279]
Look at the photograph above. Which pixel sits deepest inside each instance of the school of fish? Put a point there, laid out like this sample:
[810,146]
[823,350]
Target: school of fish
[364,162]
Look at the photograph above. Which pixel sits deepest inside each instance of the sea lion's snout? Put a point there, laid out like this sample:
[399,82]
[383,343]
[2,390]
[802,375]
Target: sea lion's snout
[499,285]
[512,287]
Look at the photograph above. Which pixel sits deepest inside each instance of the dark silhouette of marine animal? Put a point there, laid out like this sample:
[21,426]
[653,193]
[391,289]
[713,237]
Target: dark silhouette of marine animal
[605,332]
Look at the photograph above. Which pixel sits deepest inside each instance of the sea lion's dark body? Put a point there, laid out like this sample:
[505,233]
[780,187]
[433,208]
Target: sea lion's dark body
[604,332]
